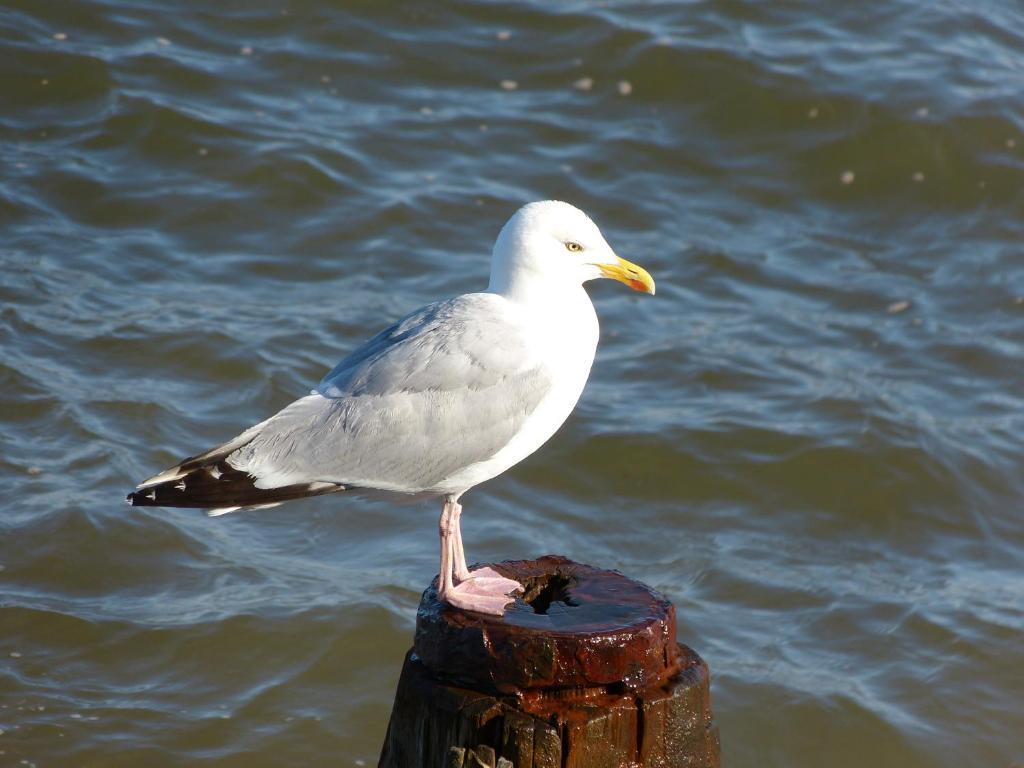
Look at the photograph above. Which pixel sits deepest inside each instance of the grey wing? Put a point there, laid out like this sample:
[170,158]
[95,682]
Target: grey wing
[447,386]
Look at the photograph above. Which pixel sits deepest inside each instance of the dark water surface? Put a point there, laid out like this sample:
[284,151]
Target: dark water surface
[811,439]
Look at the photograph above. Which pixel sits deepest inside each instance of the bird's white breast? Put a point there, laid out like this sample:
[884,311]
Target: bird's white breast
[565,334]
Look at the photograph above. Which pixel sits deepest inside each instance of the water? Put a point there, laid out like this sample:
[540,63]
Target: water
[810,439]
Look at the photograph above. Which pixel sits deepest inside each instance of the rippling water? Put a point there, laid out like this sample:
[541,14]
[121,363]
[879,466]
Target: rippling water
[811,439]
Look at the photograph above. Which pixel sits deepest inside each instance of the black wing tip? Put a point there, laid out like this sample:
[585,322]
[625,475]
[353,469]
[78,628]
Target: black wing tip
[226,488]
[140,499]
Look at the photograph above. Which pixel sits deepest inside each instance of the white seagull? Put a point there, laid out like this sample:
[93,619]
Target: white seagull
[446,398]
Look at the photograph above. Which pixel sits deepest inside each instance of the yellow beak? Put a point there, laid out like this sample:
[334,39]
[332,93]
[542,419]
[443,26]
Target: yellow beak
[636,277]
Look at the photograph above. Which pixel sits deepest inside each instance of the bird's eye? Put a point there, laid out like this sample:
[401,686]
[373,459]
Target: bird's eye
[573,246]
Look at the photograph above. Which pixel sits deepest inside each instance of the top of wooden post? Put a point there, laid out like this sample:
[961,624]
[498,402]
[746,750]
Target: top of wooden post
[575,627]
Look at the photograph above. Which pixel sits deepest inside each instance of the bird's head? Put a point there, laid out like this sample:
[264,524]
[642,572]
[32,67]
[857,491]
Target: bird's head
[551,243]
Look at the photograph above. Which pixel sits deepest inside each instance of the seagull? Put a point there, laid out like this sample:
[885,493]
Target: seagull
[449,396]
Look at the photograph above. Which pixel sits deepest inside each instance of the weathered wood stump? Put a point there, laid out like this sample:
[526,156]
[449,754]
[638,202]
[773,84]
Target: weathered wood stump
[582,672]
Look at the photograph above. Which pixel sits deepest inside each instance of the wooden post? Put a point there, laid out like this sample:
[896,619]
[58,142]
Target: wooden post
[582,672]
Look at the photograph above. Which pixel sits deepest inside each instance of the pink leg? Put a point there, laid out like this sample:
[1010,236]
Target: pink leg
[460,570]
[445,528]
[484,590]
